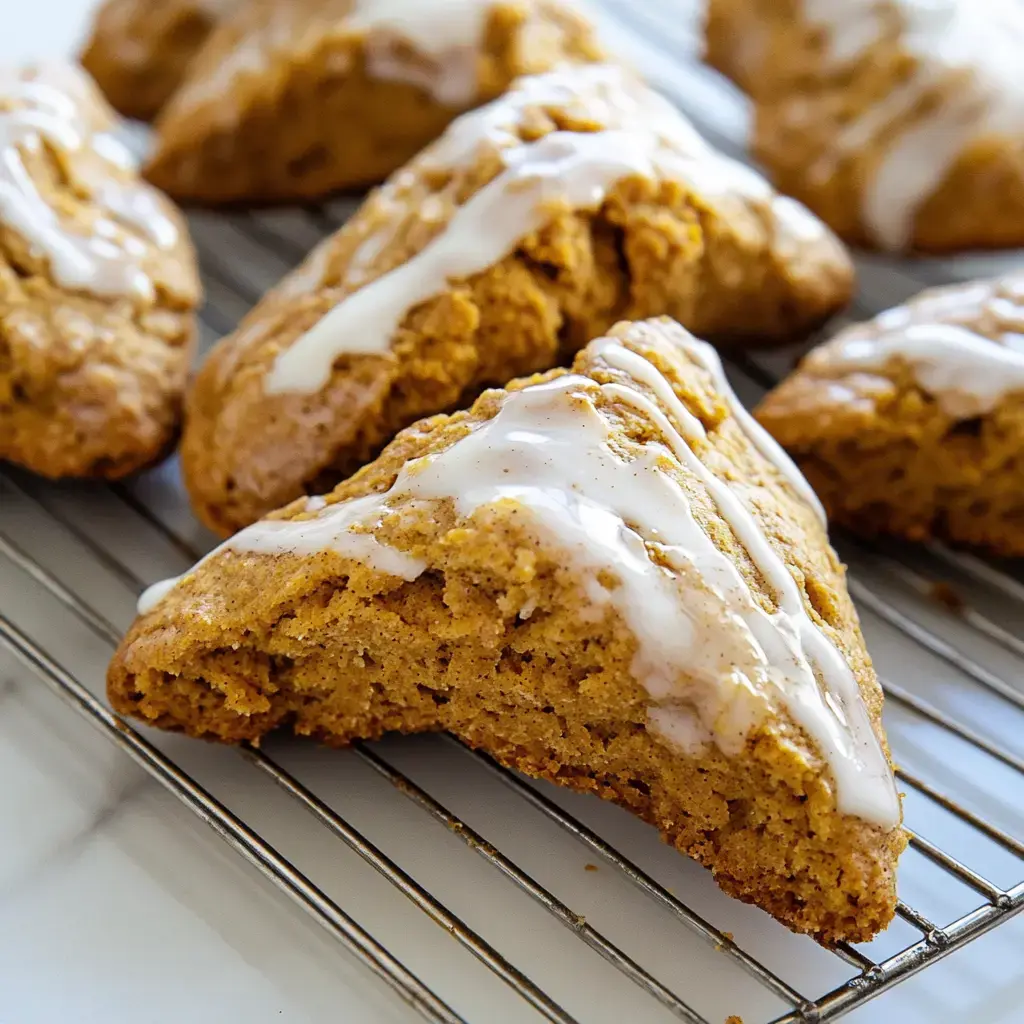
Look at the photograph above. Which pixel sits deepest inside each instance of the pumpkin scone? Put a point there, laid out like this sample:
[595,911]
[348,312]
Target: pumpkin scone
[579,198]
[98,287]
[295,100]
[140,50]
[900,123]
[608,577]
[913,423]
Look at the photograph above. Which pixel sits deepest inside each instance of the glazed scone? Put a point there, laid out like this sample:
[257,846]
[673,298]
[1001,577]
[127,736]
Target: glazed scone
[296,100]
[610,578]
[913,423]
[98,287]
[579,198]
[139,50]
[900,123]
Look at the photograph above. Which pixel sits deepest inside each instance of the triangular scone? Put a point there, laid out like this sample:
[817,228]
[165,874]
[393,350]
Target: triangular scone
[913,423]
[579,198]
[610,578]
[293,100]
[139,50]
[98,287]
[900,123]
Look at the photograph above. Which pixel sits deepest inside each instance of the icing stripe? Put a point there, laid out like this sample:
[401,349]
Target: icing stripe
[565,167]
[107,256]
[969,375]
[447,33]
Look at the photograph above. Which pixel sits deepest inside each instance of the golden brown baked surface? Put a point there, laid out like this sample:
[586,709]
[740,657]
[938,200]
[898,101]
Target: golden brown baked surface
[495,636]
[139,50]
[98,287]
[706,242]
[901,127]
[913,423]
[293,101]
[732,46]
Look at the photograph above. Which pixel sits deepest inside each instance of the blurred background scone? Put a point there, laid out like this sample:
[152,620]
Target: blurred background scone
[140,50]
[900,123]
[98,286]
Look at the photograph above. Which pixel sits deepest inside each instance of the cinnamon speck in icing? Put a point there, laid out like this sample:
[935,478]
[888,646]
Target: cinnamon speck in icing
[642,135]
[53,108]
[713,659]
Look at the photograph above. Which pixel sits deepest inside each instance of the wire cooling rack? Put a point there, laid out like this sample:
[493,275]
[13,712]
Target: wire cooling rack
[957,610]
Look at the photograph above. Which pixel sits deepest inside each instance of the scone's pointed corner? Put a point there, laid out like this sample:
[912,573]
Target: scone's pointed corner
[609,577]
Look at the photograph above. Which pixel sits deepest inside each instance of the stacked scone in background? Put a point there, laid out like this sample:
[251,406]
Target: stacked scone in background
[473,467]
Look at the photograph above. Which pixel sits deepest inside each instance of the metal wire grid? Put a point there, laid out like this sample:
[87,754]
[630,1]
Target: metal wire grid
[285,238]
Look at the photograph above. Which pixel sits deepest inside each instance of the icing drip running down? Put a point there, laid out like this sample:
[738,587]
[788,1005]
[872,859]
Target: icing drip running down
[51,109]
[644,137]
[713,661]
[446,36]
[968,74]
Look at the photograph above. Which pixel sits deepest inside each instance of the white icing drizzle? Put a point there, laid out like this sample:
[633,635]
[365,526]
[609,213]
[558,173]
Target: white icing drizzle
[969,375]
[35,112]
[770,449]
[156,592]
[640,369]
[576,169]
[968,55]
[615,354]
[712,659]
[331,532]
[446,34]
[573,169]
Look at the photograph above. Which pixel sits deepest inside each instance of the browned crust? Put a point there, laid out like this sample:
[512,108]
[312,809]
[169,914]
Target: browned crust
[252,642]
[734,49]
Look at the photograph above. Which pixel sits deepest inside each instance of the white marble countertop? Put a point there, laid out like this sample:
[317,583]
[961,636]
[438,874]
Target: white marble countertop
[118,905]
